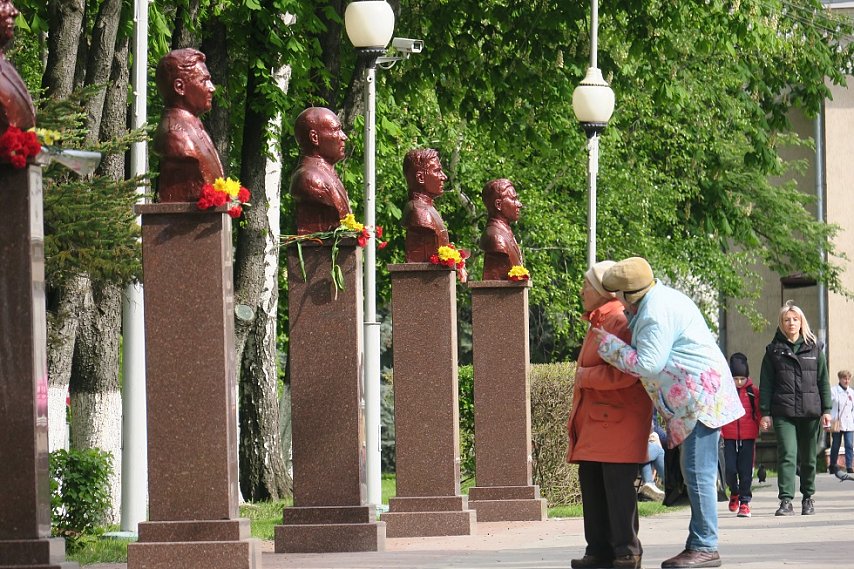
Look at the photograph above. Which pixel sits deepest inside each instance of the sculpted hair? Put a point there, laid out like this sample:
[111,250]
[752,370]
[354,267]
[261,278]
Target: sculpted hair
[415,161]
[494,190]
[806,332]
[308,120]
[177,64]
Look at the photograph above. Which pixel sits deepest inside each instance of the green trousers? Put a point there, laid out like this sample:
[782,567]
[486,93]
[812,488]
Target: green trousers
[796,438]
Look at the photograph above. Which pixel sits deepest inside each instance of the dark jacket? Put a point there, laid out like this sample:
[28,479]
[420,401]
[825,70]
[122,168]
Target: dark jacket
[793,382]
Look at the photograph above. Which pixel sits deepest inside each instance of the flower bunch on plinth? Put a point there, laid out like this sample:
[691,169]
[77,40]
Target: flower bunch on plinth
[518,273]
[17,147]
[225,191]
[348,227]
[449,256]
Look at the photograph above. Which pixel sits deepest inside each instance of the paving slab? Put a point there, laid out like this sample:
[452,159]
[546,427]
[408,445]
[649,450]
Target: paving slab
[760,542]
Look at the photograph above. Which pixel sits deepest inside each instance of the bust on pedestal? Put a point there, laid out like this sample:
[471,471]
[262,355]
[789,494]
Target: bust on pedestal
[502,413]
[424,320]
[190,392]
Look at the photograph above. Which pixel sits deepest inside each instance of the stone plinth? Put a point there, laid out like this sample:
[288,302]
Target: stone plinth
[190,394]
[24,484]
[330,511]
[426,405]
[502,411]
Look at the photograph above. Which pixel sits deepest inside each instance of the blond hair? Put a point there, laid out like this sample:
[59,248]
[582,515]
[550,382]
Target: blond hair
[843,373]
[806,332]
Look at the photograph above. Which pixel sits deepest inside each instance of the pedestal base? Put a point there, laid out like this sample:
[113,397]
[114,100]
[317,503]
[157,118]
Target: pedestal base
[35,554]
[197,544]
[329,529]
[429,516]
[508,503]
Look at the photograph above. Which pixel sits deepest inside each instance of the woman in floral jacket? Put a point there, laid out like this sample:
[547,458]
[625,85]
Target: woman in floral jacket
[684,372]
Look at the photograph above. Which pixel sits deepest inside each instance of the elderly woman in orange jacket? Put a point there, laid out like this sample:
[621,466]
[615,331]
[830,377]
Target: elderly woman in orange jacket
[608,430]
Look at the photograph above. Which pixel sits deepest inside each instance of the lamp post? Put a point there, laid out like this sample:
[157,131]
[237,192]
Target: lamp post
[593,105]
[370,25]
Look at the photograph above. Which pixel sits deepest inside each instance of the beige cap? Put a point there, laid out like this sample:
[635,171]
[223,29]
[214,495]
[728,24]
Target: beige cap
[594,276]
[633,277]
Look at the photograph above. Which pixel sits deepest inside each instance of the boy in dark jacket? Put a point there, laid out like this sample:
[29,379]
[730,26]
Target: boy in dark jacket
[740,438]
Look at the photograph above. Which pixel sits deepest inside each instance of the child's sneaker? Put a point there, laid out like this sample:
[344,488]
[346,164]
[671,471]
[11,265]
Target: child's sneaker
[733,502]
[744,510]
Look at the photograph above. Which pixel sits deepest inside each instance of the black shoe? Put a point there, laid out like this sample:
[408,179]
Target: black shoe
[807,507]
[627,562]
[785,508]
[850,470]
[592,562]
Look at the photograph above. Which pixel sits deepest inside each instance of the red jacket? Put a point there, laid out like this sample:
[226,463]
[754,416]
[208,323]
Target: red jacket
[746,427]
[611,411]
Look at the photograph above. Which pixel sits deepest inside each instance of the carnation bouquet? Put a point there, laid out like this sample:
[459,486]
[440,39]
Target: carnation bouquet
[449,256]
[225,191]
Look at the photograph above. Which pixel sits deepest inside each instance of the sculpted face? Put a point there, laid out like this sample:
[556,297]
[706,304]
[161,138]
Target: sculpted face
[509,205]
[329,138]
[8,13]
[196,89]
[433,178]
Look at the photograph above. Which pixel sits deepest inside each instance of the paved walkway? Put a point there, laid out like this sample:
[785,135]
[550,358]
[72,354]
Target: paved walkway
[825,540]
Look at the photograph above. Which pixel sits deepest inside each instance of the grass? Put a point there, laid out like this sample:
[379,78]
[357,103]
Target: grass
[97,550]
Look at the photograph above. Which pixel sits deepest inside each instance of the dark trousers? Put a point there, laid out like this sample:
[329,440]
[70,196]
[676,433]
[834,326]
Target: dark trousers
[738,459]
[610,503]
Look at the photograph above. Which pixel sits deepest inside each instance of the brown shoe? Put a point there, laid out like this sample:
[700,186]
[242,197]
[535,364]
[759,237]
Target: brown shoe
[627,562]
[591,562]
[692,558]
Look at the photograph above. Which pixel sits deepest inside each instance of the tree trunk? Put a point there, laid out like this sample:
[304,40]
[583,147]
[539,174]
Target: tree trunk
[65,18]
[217,121]
[182,35]
[330,42]
[100,63]
[262,468]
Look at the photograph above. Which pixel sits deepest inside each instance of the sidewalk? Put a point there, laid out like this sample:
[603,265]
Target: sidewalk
[761,542]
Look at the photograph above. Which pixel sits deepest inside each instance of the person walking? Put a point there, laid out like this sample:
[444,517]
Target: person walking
[678,360]
[607,429]
[843,413]
[740,439]
[794,394]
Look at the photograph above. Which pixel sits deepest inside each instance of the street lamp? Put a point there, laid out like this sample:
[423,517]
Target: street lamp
[593,105]
[370,25]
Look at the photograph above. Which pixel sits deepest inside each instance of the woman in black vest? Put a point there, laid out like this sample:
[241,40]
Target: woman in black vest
[794,393]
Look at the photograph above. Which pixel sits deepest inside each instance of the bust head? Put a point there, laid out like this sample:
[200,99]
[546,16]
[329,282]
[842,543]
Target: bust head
[8,13]
[423,171]
[319,133]
[184,82]
[500,198]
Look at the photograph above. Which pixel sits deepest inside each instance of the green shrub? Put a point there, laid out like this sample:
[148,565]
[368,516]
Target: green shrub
[466,393]
[79,493]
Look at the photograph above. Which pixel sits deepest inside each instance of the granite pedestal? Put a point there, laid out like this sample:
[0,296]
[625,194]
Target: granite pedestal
[330,511]
[190,394]
[426,405]
[502,411]
[24,480]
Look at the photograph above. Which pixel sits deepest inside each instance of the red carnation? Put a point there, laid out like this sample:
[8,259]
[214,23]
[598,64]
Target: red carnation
[362,240]
[434,259]
[235,212]
[243,195]
[382,244]
[379,231]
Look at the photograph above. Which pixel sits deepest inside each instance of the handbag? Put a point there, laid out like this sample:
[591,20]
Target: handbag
[835,426]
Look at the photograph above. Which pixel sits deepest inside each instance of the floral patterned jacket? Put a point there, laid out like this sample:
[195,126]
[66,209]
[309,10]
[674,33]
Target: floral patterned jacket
[678,361]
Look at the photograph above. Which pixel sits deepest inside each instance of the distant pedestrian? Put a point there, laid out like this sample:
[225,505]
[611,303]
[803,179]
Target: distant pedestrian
[843,412]
[794,393]
[684,372]
[740,439]
[608,426]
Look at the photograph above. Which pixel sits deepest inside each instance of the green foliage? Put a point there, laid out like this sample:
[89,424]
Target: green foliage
[100,551]
[80,493]
[466,393]
[388,455]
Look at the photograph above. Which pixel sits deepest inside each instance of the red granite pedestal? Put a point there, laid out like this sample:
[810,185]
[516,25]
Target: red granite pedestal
[24,484]
[426,405]
[330,511]
[190,395]
[502,411]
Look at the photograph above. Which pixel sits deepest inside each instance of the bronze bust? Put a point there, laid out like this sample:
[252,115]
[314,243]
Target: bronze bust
[499,246]
[16,105]
[320,200]
[188,157]
[425,230]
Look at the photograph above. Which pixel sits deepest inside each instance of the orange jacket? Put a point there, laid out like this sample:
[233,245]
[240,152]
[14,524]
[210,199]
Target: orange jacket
[611,411]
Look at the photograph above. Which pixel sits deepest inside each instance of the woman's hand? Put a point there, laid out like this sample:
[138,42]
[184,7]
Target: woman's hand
[765,423]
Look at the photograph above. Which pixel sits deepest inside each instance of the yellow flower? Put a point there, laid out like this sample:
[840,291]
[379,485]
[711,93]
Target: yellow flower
[518,272]
[47,137]
[229,186]
[349,222]
[446,253]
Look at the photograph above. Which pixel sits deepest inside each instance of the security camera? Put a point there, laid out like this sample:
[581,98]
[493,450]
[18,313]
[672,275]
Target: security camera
[407,45]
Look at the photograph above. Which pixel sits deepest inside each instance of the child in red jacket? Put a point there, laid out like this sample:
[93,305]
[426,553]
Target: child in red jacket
[740,439]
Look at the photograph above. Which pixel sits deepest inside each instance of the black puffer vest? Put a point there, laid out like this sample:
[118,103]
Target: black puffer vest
[795,379]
